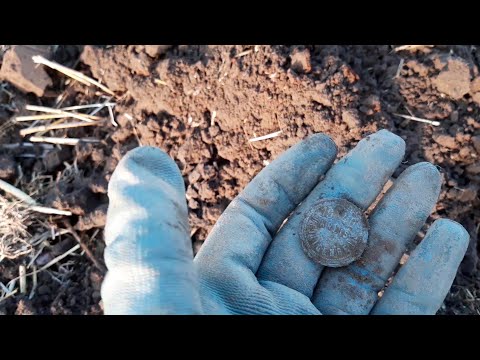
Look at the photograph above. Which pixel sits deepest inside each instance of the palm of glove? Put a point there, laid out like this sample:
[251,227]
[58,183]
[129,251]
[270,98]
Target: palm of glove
[251,264]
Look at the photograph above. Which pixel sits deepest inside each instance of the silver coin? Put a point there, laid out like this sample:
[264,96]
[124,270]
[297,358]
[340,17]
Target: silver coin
[334,232]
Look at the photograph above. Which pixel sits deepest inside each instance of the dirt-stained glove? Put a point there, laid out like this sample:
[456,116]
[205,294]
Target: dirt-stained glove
[248,266]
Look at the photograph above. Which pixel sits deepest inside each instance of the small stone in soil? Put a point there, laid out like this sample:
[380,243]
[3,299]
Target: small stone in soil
[155,50]
[193,204]
[205,191]
[476,143]
[19,69]
[193,177]
[467,195]
[446,141]
[94,219]
[301,61]
[351,118]
[454,80]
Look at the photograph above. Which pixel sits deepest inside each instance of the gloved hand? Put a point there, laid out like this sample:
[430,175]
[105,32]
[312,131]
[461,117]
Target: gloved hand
[247,267]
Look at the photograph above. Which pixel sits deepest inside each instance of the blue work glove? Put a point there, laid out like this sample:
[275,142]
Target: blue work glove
[247,267]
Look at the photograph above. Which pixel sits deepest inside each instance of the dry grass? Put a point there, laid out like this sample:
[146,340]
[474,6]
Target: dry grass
[5,127]
[37,186]
[9,105]
[15,219]
[462,300]
[70,172]
[18,222]
[26,234]
[61,275]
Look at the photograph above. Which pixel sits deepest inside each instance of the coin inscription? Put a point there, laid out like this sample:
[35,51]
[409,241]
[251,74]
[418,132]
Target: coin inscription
[334,232]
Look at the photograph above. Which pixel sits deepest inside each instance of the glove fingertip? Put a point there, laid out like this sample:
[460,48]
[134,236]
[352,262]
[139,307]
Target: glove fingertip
[148,160]
[459,236]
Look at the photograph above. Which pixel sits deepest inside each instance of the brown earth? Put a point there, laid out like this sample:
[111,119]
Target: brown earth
[201,104]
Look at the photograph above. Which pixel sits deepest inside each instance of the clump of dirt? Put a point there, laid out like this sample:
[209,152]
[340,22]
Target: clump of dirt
[7,167]
[18,68]
[209,103]
[202,104]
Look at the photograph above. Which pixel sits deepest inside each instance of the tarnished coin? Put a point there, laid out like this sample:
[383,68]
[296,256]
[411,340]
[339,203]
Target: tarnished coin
[334,232]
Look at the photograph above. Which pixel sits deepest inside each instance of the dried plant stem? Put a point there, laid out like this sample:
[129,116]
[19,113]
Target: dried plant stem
[268,136]
[11,293]
[35,129]
[50,211]
[60,141]
[19,194]
[88,106]
[57,122]
[112,117]
[23,279]
[53,262]
[160,82]
[243,53]
[399,69]
[39,117]
[130,119]
[35,282]
[106,103]
[57,259]
[32,204]
[83,117]
[414,118]
[76,75]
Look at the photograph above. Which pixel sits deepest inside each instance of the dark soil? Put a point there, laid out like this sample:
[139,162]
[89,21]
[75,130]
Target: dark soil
[201,104]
